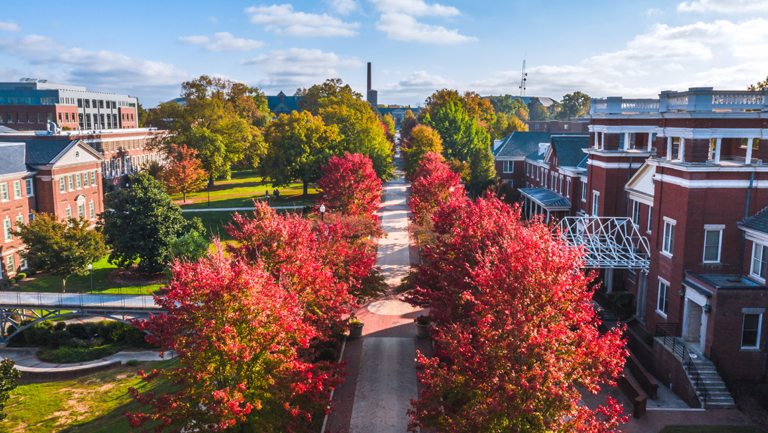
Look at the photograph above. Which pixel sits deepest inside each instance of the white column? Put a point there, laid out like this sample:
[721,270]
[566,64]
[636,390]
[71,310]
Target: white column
[650,141]
[602,140]
[669,148]
[626,140]
[597,142]
[682,149]
[718,147]
[749,150]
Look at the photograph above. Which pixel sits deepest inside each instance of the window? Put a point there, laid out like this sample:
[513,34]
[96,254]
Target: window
[93,178]
[62,184]
[584,191]
[31,217]
[662,303]
[759,260]
[85,179]
[568,188]
[23,262]
[4,192]
[16,189]
[636,213]
[509,166]
[750,331]
[595,203]
[91,210]
[7,231]
[10,264]
[81,210]
[30,188]
[668,245]
[79,180]
[69,212]
[712,239]
[71,182]
[650,218]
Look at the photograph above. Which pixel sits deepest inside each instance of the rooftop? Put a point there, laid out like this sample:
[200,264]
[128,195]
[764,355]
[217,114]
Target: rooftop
[757,222]
[694,100]
[569,149]
[719,282]
[546,197]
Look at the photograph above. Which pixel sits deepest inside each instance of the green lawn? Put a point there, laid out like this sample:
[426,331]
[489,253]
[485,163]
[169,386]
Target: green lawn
[711,429]
[83,284]
[247,201]
[95,403]
[247,185]
[214,221]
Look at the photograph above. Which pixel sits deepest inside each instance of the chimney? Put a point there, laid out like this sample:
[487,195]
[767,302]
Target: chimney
[372,95]
[370,86]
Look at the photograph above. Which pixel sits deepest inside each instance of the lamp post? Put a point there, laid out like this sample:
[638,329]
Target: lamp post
[90,273]
[322,213]
[209,193]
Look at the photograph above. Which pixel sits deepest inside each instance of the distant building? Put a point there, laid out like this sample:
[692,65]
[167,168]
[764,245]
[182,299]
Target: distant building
[559,126]
[398,112]
[32,104]
[282,104]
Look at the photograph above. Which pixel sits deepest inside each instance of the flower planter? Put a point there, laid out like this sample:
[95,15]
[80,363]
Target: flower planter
[422,331]
[355,331]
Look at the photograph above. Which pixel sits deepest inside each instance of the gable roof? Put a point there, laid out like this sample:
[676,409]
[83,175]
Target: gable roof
[43,152]
[521,143]
[288,103]
[12,158]
[757,222]
[569,149]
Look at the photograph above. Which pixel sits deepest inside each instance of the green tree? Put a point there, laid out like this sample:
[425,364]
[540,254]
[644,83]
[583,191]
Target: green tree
[190,246]
[761,85]
[574,105]
[422,141]
[299,145]
[482,170]
[536,110]
[8,377]
[60,248]
[509,105]
[142,223]
[332,92]
[506,125]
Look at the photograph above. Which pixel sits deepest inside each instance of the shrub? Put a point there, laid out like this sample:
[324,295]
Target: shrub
[21,275]
[38,335]
[59,326]
[31,272]
[79,330]
[68,355]
[132,363]
[59,338]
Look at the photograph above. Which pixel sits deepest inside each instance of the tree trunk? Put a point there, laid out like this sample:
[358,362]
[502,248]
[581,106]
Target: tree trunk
[185,196]
[305,187]
[210,181]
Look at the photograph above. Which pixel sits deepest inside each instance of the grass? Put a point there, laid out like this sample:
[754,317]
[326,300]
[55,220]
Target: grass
[712,429]
[101,283]
[246,186]
[71,355]
[95,403]
[214,222]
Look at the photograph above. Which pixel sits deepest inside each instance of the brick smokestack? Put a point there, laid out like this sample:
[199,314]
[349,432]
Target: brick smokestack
[372,95]
[369,77]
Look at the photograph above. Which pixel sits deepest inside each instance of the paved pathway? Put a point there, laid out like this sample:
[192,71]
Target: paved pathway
[77,301]
[232,209]
[381,377]
[25,357]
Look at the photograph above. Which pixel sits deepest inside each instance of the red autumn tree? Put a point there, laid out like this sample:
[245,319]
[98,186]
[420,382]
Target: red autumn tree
[432,184]
[349,185]
[184,172]
[240,338]
[515,332]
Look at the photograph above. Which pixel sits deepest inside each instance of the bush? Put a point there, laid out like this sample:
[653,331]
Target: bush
[132,363]
[31,272]
[79,330]
[59,326]
[21,275]
[59,338]
[38,335]
[68,355]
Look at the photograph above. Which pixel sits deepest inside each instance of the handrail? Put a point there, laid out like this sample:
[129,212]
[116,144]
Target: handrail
[678,348]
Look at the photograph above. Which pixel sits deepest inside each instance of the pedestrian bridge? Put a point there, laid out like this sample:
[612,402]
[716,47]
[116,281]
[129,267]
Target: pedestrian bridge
[39,306]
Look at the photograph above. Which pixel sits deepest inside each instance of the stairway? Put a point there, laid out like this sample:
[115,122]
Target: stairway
[719,397]
[710,381]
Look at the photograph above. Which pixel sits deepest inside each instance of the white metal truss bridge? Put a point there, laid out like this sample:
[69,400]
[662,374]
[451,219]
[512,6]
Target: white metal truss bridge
[609,242]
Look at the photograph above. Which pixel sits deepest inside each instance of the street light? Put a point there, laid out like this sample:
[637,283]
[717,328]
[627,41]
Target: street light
[322,213]
[90,272]
[209,193]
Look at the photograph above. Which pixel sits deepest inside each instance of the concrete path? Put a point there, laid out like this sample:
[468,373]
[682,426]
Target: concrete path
[382,377]
[25,357]
[36,300]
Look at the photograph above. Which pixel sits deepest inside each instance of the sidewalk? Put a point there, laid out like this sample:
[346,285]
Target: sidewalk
[381,374]
[25,357]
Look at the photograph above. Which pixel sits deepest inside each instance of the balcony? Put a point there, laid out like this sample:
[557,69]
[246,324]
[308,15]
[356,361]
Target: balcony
[694,100]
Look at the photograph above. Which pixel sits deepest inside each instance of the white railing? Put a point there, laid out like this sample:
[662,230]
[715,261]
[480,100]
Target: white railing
[701,99]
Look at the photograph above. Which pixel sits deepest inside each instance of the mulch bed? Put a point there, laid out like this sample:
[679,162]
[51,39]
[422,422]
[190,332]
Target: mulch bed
[132,277]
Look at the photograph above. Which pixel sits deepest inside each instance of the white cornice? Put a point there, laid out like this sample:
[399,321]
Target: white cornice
[614,164]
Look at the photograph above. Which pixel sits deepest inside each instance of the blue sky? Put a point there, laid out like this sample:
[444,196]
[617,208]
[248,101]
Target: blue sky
[603,48]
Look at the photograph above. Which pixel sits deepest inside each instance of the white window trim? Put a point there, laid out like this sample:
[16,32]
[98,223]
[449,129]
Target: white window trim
[7,239]
[4,185]
[752,273]
[21,193]
[673,223]
[568,188]
[636,206]
[30,183]
[650,219]
[658,297]
[719,244]
[759,328]
[595,199]
[584,192]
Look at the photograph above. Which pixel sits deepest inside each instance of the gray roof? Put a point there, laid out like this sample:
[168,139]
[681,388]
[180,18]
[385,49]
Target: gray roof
[522,143]
[546,197]
[43,152]
[12,158]
[569,149]
[757,222]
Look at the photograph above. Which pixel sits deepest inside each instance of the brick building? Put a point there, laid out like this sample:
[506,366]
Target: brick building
[32,105]
[61,177]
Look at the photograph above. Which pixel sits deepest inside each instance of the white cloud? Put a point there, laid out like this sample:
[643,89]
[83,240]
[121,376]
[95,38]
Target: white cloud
[343,6]
[29,45]
[673,67]
[285,21]
[414,8]
[9,26]
[213,20]
[223,41]
[724,6]
[193,39]
[301,67]
[653,11]
[403,27]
